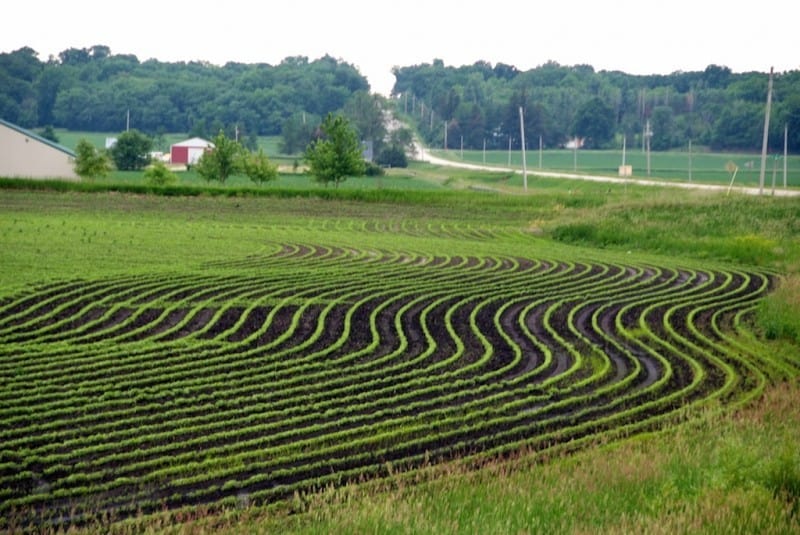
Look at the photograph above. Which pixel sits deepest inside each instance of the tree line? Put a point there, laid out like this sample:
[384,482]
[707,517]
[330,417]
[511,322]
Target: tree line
[94,90]
[479,104]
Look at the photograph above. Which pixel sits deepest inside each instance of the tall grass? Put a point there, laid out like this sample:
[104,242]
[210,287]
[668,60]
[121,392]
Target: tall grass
[779,313]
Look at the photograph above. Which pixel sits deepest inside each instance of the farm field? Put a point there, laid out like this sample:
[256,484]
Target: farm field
[168,353]
[706,167]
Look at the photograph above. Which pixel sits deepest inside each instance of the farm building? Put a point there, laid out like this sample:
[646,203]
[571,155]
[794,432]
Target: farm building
[189,151]
[24,154]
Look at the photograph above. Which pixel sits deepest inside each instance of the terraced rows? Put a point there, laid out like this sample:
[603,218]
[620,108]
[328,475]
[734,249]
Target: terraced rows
[277,373]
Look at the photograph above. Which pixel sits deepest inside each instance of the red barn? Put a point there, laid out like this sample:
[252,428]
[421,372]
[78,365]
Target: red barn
[189,151]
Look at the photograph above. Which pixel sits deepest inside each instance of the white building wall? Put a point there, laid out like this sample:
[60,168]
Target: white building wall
[23,156]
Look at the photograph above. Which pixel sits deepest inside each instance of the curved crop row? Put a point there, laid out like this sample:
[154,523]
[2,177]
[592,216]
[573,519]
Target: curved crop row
[312,365]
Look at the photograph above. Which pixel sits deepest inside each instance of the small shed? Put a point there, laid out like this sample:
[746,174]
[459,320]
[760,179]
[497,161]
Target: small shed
[189,151]
[24,154]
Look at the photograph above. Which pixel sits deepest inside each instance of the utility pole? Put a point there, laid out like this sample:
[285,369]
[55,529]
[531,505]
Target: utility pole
[484,151]
[647,135]
[765,138]
[690,160]
[128,120]
[624,146]
[522,139]
[540,151]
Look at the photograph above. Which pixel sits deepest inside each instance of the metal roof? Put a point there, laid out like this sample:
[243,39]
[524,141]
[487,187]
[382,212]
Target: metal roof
[194,142]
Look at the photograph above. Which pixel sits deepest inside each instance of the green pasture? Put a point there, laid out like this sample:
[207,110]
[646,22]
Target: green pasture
[706,167]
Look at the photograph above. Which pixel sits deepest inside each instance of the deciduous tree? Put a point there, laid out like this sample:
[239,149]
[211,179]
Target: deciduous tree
[158,175]
[222,161]
[91,162]
[131,152]
[337,154]
[258,167]
[594,121]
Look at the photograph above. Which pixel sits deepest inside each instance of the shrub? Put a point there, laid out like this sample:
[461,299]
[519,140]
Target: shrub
[158,175]
[373,169]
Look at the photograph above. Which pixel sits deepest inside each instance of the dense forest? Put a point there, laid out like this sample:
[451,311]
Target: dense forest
[94,90]
[480,103]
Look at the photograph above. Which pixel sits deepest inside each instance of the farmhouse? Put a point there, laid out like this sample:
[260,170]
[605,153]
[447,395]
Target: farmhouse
[24,154]
[189,151]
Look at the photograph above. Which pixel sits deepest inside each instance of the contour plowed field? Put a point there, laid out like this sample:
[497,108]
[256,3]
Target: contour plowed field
[319,365]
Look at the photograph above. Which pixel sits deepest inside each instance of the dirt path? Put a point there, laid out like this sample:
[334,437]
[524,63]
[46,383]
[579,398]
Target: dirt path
[424,155]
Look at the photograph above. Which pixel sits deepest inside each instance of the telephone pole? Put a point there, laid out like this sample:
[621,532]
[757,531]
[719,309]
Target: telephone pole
[765,138]
[522,139]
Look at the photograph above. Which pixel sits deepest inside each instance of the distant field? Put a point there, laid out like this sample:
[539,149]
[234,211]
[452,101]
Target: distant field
[672,165]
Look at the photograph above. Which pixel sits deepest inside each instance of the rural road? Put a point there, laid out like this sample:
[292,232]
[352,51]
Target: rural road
[424,155]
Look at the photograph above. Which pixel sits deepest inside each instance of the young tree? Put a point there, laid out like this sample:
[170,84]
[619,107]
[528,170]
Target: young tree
[90,162]
[158,175]
[258,167]
[131,152]
[337,154]
[222,161]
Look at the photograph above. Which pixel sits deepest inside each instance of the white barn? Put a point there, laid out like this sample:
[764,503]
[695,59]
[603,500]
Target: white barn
[24,154]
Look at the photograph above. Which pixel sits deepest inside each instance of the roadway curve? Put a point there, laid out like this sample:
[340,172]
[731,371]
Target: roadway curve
[424,155]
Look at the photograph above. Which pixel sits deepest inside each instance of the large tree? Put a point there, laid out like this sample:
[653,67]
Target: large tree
[594,121]
[131,152]
[336,154]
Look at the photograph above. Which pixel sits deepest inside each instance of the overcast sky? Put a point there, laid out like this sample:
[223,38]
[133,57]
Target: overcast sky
[635,36]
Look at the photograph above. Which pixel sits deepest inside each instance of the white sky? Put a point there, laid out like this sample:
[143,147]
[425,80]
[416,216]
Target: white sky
[634,36]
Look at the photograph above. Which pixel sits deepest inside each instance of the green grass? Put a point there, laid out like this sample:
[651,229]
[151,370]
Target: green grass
[286,180]
[734,473]
[672,165]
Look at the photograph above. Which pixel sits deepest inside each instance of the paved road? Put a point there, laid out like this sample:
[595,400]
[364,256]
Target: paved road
[424,155]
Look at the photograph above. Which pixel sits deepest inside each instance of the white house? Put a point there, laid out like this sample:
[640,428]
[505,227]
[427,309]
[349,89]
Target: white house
[24,154]
[189,151]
